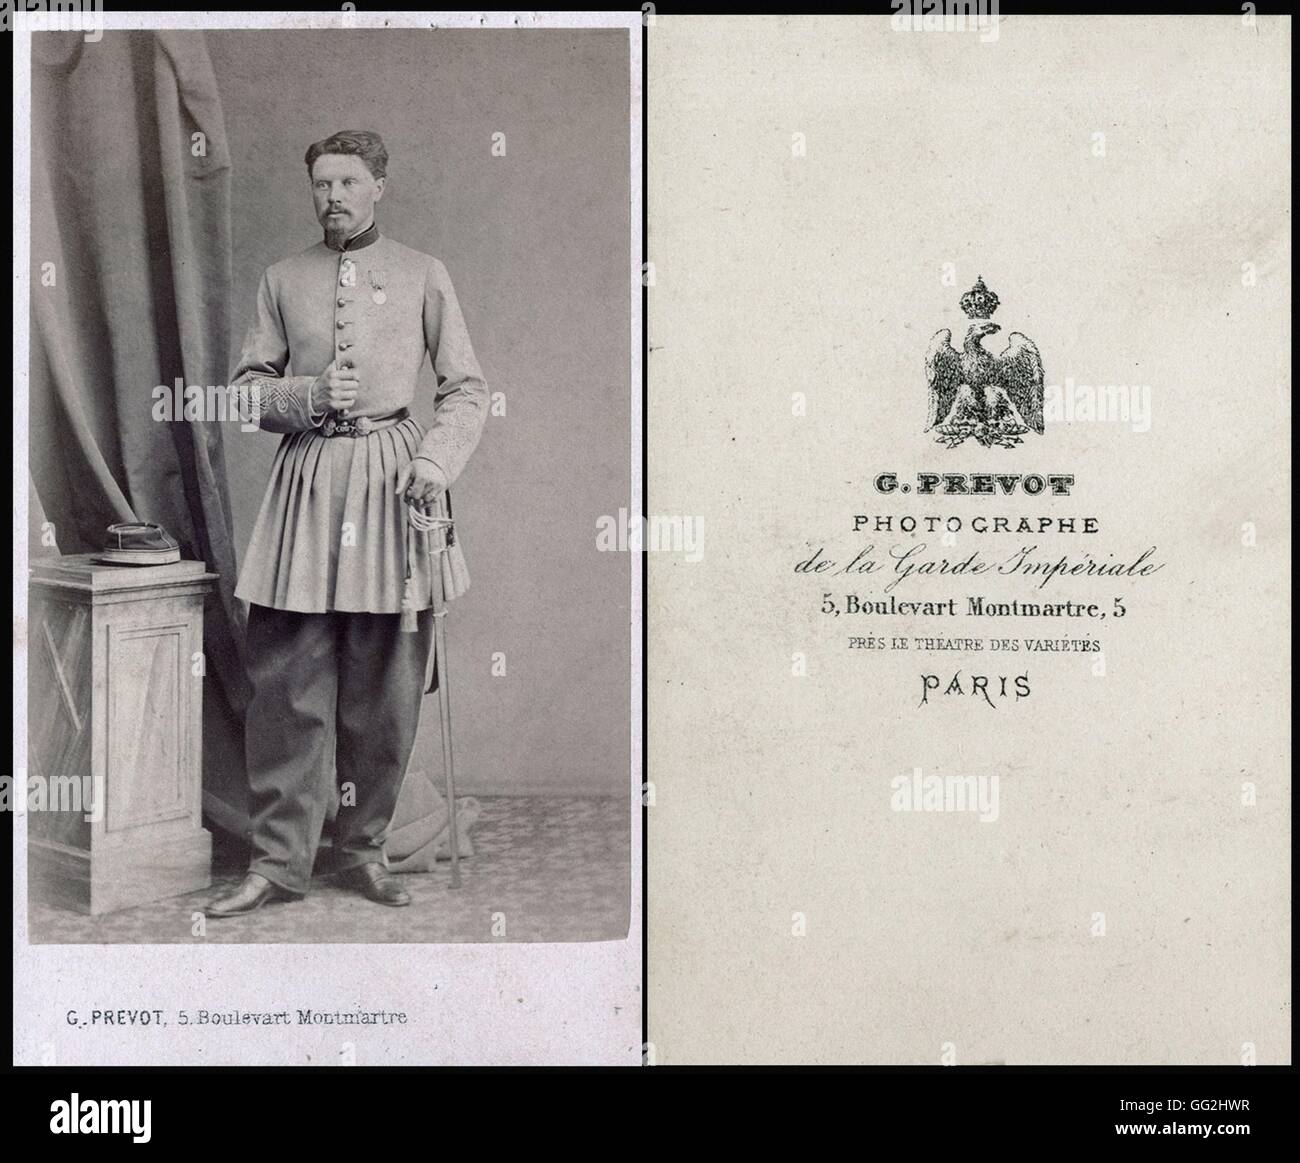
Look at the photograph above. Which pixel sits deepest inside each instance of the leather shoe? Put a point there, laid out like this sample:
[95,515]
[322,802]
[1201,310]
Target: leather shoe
[250,893]
[374,882]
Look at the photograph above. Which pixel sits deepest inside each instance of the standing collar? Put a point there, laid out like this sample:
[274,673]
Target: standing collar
[367,237]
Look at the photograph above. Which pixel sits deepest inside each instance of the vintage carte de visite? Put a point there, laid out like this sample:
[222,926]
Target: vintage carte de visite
[969,366]
[329,744]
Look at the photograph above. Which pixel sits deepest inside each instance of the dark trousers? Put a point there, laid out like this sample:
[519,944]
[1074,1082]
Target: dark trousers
[358,676]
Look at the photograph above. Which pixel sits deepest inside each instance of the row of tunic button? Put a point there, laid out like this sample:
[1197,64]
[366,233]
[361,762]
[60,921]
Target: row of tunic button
[347,278]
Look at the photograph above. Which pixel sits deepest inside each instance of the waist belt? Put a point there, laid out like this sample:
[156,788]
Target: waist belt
[336,425]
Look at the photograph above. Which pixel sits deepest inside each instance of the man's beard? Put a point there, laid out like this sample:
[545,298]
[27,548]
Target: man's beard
[335,236]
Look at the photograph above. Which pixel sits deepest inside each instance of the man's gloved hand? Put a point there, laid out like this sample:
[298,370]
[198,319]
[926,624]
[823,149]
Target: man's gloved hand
[421,481]
[335,390]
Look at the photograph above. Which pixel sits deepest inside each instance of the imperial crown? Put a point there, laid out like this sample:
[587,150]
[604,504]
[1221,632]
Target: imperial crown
[979,302]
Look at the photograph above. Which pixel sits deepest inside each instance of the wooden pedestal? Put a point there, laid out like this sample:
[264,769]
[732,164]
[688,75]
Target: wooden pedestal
[115,702]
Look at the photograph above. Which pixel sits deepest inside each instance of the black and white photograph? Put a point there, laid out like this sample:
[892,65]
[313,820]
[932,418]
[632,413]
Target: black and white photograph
[647,540]
[332,386]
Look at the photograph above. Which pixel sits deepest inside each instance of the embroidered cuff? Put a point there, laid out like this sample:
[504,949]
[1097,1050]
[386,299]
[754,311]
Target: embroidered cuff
[282,404]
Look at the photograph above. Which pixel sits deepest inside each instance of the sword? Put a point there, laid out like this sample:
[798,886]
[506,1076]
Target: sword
[438,530]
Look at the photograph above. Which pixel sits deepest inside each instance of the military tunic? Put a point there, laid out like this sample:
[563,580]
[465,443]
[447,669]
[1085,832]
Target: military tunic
[331,533]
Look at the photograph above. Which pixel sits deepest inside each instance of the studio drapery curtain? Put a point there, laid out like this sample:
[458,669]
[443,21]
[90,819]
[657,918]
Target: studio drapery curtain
[131,286]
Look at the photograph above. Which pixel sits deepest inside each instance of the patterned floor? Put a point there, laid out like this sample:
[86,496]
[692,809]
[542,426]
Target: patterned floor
[545,869]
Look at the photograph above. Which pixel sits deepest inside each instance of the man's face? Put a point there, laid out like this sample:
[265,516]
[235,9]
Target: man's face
[345,192]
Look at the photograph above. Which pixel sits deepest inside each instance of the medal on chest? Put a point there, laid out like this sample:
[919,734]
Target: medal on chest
[377,295]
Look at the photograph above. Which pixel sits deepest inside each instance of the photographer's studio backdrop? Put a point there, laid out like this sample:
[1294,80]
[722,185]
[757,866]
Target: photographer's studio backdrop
[158,253]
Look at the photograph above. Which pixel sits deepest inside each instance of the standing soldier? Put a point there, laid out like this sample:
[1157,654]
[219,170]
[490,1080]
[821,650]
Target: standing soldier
[331,360]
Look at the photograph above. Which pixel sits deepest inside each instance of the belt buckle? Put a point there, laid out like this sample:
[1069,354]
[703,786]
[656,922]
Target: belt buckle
[336,426]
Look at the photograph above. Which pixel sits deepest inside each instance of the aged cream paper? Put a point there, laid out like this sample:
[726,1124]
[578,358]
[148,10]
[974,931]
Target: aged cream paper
[822,192]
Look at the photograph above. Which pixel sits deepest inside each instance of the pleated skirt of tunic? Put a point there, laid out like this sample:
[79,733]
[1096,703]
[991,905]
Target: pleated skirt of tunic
[332,534]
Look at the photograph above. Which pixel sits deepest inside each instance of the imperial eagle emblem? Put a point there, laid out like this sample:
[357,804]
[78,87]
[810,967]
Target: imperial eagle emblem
[994,398]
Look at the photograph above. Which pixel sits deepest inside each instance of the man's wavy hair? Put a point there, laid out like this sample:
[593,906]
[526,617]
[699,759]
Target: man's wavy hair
[364,143]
